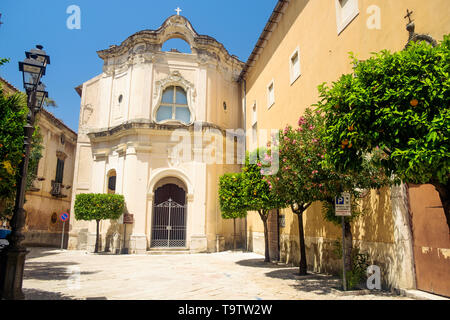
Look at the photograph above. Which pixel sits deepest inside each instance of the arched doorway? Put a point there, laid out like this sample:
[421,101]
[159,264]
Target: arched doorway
[169,217]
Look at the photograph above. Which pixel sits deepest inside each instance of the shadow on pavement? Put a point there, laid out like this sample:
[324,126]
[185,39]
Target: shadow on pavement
[40,252]
[315,283]
[50,270]
[259,263]
[33,294]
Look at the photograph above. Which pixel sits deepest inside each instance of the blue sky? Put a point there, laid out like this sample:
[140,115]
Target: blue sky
[236,24]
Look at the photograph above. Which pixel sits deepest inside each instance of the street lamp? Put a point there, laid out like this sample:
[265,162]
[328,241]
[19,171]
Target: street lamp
[41,95]
[32,70]
[12,258]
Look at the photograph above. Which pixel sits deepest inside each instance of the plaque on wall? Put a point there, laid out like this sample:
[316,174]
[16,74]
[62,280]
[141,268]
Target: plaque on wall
[127,218]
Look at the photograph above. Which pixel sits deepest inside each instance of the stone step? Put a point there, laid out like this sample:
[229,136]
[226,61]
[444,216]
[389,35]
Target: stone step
[168,251]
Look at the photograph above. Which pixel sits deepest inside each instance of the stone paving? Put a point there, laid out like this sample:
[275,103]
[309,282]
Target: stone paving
[51,274]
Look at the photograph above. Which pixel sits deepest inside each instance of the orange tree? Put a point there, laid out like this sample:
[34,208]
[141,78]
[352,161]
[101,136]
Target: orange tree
[231,199]
[97,206]
[304,177]
[258,192]
[397,103]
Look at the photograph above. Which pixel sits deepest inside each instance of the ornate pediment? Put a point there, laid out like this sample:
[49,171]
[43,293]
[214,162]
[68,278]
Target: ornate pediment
[175,78]
[134,48]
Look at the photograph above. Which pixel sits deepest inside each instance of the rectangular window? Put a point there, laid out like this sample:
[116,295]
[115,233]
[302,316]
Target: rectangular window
[254,114]
[270,95]
[346,11]
[255,133]
[295,65]
[59,171]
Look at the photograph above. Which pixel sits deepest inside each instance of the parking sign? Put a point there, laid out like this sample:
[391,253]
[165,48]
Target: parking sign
[342,205]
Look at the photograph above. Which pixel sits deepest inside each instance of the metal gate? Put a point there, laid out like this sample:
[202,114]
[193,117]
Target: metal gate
[169,225]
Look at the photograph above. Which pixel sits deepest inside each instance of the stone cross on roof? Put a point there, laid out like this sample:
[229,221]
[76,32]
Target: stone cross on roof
[178,10]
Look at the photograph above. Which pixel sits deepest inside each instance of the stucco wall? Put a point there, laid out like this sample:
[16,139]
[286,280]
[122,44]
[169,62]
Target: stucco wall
[41,204]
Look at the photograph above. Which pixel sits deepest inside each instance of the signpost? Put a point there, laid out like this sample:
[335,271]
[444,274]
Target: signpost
[342,206]
[64,216]
[127,219]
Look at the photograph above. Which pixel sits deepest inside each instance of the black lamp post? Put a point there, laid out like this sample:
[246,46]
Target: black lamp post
[12,258]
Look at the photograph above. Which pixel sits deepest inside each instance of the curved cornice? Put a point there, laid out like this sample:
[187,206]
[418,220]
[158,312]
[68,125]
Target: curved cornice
[174,27]
[132,126]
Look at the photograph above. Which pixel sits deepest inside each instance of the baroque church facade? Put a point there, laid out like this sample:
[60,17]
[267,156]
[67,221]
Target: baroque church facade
[133,118]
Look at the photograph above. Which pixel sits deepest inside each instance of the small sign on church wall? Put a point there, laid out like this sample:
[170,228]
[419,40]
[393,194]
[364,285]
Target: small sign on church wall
[127,218]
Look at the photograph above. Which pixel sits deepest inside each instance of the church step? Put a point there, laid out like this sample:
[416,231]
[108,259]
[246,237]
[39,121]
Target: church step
[168,251]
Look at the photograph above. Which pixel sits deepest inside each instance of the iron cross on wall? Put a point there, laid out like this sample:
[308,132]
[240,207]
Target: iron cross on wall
[408,15]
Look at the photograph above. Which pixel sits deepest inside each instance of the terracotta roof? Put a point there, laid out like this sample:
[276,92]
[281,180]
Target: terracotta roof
[56,120]
[270,25]
[79,89]
[9,85]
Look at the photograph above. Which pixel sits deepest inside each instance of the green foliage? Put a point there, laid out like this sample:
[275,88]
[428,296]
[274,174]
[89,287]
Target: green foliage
[358,274]
[258,192]
[231,196]
[360,262]
[396,103]
[304,176]
[3,61]
[300,173]
[97,206]
[13,111]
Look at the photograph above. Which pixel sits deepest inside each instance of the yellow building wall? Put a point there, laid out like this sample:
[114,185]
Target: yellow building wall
[40,204]
[324,57]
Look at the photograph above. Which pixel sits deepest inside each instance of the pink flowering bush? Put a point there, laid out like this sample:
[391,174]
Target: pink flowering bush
[306,176]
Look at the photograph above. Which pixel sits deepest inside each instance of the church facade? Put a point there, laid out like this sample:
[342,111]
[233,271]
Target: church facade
[160,128]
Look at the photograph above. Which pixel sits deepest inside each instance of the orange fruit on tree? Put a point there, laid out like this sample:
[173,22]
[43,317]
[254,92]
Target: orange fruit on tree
[350,128]
[414,102]
[345,142]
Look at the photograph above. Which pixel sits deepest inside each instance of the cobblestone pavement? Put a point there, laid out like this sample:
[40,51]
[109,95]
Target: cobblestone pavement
[52,275]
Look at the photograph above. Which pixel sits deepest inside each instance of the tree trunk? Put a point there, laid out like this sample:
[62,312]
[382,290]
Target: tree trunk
[266,236]
[444,195]
[234,233]
[301,235]
[348,246]
[97,236]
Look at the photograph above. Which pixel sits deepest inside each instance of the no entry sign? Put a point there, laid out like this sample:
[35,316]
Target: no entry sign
[64,216]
